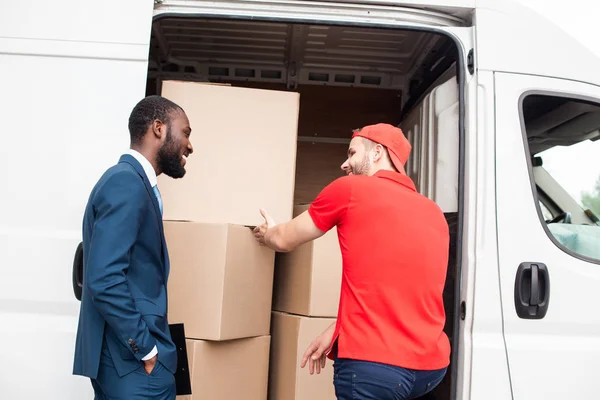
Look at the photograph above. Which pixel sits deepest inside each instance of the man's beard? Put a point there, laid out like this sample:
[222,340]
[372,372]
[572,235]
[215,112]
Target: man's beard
[169,158]
[363,167]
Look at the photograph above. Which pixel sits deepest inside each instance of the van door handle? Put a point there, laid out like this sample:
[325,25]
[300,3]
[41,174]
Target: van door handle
[532,290]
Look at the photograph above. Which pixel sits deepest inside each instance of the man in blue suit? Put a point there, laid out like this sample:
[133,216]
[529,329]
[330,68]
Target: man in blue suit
[123,342]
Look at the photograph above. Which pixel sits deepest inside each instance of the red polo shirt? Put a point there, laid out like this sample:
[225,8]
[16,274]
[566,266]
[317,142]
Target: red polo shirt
[394,244]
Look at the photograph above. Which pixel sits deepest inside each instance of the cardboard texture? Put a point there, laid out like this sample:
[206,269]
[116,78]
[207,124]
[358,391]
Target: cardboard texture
[244,154]
[235,369]
[221,281]
[308,279]
[291,335]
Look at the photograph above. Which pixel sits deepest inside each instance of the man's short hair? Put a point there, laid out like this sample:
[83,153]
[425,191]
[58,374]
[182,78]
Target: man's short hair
[147,111]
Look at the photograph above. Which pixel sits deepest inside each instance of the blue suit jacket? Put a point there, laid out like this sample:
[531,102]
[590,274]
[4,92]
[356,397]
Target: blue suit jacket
[125,271]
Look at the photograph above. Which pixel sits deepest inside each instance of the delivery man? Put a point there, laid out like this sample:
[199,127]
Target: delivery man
[388,340]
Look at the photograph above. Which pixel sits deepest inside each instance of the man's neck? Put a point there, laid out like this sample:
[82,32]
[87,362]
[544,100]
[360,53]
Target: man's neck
[148,156]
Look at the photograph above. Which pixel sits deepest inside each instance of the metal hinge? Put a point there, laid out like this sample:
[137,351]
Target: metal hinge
[471,62]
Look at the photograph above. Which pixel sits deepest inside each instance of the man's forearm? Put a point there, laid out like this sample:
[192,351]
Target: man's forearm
[275,239]
[287,236]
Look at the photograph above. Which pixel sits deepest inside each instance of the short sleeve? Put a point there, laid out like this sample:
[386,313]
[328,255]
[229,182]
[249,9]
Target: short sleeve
[330,206]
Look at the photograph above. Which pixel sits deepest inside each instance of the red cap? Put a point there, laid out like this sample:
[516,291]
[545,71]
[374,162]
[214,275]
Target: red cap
[392,138]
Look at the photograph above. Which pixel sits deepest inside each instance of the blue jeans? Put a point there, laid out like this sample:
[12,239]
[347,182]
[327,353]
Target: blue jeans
[363,380]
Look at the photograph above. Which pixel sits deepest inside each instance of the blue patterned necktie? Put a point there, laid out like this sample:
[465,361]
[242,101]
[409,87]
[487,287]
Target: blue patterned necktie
[157,193]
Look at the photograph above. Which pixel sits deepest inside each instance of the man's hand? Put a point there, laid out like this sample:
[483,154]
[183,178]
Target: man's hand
[261,230]
[289,235]
[150,364]
[315,353]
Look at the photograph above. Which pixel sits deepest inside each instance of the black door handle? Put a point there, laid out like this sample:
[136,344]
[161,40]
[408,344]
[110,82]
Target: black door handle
[532,290]
[78,272]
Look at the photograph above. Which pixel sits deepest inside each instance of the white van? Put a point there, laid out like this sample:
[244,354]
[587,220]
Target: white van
[501,106]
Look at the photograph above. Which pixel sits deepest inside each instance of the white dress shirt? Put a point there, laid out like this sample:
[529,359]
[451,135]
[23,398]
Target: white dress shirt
[151,174]
[148,169]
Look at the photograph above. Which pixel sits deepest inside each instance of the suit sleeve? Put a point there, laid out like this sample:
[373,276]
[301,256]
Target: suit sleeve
[119,208]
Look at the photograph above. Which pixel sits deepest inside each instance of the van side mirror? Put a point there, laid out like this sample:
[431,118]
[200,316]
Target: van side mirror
[78,271]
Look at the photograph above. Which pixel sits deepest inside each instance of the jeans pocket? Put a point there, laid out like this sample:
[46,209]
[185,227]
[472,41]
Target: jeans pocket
[426,381]
[434,382]
[375,387]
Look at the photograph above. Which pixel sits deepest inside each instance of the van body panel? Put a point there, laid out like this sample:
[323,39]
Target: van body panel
[557,356]
[446,6]
[77,21]
[515,38]
[70,73]
[482,368]
[67,124]
[333,11]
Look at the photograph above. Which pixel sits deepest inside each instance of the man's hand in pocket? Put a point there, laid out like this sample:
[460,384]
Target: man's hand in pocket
[149,364]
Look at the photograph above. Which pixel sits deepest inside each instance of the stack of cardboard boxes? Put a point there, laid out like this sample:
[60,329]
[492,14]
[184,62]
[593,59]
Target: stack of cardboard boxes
[305,303]
[222,284]
[221,281]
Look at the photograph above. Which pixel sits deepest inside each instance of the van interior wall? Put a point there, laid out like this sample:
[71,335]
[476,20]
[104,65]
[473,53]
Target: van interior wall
[333,112]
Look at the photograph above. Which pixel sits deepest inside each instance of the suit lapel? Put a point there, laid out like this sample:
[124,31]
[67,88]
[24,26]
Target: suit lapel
[140,170]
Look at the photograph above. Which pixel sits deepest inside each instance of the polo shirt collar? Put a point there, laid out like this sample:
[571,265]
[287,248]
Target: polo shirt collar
[397,177]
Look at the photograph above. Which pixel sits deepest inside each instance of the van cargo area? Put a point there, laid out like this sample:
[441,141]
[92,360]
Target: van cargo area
[346,77]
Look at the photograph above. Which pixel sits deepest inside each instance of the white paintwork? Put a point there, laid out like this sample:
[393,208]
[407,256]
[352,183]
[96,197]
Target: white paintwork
[483,372]
[312,11]
[77,21]
[559,356]
[70,72]
[513,38]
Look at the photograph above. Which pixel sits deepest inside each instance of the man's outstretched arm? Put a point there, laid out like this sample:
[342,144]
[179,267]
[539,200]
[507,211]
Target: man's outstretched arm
[289,235]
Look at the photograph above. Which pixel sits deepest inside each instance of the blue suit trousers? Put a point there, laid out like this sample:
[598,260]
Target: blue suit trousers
[136,385]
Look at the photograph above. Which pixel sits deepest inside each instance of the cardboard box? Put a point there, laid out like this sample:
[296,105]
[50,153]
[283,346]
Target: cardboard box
[221,280]
[291,335]
[244,154]
[235,369]
[308,279]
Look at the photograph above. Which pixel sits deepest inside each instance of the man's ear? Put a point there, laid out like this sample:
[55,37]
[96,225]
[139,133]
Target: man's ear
[158,129]
[377,152]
